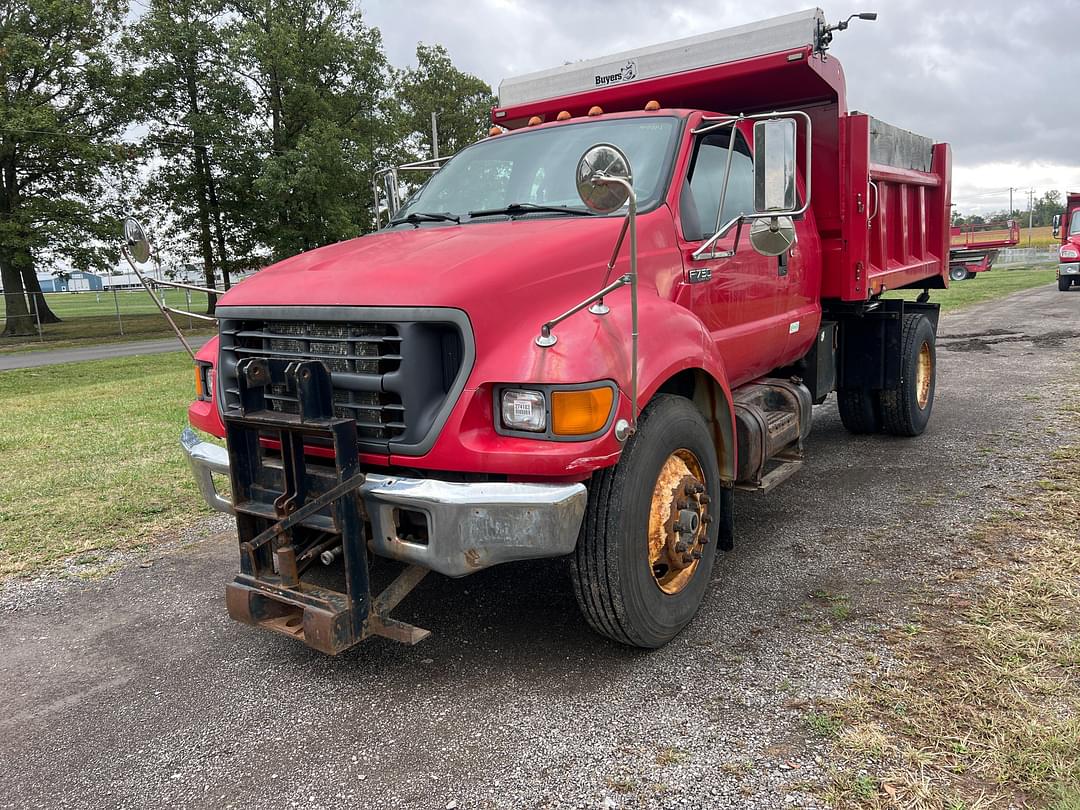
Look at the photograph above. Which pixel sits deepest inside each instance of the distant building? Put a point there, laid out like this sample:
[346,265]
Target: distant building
[76,281]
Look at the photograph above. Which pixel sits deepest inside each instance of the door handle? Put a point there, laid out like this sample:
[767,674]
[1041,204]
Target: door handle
[782,264]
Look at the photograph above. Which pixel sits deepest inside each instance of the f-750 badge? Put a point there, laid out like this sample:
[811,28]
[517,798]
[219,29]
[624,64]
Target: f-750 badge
[700,274]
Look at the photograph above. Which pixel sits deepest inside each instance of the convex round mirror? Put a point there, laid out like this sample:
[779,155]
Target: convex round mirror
[772,236]
[135,239]
[598,173]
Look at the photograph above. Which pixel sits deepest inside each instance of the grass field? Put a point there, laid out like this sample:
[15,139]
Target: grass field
[92,458]
[1041,236]
[984,287]
[90,318]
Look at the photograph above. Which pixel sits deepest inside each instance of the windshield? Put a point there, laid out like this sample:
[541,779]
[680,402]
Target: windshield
[1074,227]
[537,168]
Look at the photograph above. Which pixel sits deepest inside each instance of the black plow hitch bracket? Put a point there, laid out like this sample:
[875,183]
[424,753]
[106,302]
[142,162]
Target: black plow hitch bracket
[292,509]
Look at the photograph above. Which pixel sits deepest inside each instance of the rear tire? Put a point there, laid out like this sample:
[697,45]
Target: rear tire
[1064,284]
[622,591]
[905,410]
[958,272]
[859,410]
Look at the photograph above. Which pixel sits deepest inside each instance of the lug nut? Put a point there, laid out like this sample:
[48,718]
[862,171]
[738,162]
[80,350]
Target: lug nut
[705,500]
[696,555]
[680,547]
[706,519]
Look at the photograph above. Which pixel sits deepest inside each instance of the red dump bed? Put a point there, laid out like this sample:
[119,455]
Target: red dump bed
[880,196]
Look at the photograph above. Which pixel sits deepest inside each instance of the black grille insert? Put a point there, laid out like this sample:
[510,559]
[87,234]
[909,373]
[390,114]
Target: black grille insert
[392,377]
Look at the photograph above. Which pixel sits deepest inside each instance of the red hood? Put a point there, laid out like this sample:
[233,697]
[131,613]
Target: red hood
[495,264]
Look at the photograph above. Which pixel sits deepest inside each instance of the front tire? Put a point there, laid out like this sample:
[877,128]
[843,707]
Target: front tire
[905,410]
[1064,284]
[648,541]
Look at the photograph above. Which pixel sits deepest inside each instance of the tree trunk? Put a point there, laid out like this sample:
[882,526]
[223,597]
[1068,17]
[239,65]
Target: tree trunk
[202,172]
[18,320]
[39,306]
[211,189]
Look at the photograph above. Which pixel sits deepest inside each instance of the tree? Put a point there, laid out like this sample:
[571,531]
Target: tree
[462,102]
[197,110]
[61,111]
[324,111]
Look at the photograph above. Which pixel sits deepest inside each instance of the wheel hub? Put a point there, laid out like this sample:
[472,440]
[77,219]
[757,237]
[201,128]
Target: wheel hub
[678,522]
[924,375]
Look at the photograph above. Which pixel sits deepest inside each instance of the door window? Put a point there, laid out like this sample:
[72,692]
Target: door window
[701,190]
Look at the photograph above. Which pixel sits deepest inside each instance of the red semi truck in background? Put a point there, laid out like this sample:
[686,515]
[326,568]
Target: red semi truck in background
[1068,228]
[579,338]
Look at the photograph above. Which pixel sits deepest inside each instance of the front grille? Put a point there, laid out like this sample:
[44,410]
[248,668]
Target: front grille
[392,377]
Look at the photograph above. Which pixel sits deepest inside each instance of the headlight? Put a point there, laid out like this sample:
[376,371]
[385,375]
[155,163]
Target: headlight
[524,410]
[1069,252]
[566,412]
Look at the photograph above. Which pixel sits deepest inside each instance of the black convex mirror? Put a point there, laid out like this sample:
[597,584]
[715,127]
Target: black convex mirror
[774,166]
[135,239]
[599,163]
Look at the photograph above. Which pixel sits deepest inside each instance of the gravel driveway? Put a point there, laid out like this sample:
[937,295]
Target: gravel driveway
[137,691]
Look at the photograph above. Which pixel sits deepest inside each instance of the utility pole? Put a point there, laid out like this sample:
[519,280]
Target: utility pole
[1031,212]
[1011,209]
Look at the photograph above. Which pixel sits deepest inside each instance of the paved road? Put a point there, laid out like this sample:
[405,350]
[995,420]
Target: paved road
[137,691]
[52,357]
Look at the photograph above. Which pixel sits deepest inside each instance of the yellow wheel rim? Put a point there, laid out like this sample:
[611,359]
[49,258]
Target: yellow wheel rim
[678,522]
[924,375]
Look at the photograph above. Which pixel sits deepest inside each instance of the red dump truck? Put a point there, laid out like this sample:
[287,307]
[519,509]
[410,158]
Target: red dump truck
[579,338]
[1068,229]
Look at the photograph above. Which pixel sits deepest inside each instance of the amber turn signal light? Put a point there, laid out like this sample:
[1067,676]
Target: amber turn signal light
[199,392]
[580,413]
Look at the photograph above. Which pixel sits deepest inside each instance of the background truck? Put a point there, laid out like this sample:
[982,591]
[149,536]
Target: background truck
[579,338]
[973,248]
[1067,226]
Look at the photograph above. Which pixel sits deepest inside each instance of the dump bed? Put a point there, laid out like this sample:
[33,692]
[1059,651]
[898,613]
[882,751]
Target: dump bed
[880,195]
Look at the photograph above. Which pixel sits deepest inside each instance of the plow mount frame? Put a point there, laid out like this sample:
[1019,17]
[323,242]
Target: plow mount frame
[292,509]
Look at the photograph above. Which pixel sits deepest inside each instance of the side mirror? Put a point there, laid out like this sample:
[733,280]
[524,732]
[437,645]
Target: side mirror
[600,164]
[1057,225]
[135,240]
[774,166]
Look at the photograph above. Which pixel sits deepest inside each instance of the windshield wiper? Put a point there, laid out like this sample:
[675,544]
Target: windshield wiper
[416,217]
[528,208]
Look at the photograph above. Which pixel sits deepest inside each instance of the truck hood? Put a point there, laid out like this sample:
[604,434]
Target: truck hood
[504,264]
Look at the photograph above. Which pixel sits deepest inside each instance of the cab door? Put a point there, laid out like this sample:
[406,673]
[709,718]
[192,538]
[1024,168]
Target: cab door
[740,297]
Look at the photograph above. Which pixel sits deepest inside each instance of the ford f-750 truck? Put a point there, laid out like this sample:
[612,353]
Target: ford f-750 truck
[1067,227]
[578,338]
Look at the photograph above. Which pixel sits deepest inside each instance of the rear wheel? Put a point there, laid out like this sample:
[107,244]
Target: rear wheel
[958,272]
[648,540]
[1064,283]
[859,410]
[905,410]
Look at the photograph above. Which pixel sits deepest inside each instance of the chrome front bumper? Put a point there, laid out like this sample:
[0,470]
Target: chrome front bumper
[470,526]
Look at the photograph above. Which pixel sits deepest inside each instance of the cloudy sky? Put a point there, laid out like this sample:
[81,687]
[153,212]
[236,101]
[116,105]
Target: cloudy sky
[993,78]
